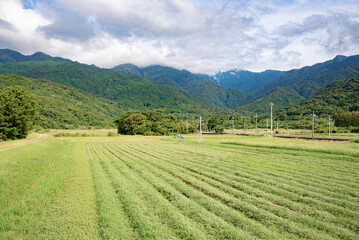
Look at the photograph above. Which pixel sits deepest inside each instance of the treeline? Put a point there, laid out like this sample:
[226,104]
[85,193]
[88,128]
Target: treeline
[348,119]
[153,122]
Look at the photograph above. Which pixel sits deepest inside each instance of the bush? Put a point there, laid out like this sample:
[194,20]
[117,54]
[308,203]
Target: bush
[319,130]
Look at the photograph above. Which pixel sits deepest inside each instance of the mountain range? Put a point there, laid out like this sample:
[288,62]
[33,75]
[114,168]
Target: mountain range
[336,98]
[288,88]
[210,93]
[187,94]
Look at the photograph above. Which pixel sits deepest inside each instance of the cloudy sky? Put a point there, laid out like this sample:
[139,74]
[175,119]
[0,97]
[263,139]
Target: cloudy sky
[203,36]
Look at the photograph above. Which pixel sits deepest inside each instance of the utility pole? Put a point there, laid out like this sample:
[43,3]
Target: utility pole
[256,123]
[200,127]
[233,124]
[271,118]
[313,124]
[244,126]
[329,125]
[277,125]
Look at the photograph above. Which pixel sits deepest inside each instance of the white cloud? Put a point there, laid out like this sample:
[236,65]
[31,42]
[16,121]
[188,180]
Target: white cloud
[198,35]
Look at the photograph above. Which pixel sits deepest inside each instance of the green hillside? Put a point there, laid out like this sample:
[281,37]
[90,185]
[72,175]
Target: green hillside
[210,93]
[130,91]
[66,107]
[280,96]
[338,97]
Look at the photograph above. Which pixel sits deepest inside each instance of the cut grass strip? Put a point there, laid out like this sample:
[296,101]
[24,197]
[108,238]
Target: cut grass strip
[23,217]
[298,217]
[73,214]
[345,219]
[249,210]
[348,194]
[190,208]
[141,217]
[112,220]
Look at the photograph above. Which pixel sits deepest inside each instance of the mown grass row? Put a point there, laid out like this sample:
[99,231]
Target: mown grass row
[29,181]
[260,183]
[273,164]
[187,193]
[222,195]
[243,178]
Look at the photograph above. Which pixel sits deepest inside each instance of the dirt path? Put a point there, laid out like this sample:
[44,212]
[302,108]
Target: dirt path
[22,143]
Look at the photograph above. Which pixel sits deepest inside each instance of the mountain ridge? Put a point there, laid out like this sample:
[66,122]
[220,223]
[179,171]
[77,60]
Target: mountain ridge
[196,84]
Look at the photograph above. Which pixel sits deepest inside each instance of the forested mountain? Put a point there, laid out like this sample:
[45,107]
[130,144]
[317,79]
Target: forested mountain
[180,91]
[280,96]
[130,91]
[212,94]
[334,99]
[7,55]
[295,85]
[61,106]
[245,81]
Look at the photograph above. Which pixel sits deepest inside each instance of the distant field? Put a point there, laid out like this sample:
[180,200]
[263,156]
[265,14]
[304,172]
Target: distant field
[225,187]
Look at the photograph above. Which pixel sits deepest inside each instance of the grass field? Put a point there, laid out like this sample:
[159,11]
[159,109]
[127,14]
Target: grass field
[225,187]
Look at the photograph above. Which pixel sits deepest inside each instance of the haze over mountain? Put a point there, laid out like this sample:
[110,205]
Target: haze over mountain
[244,80]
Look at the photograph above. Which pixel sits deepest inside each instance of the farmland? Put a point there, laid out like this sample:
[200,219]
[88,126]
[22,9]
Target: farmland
[225,187]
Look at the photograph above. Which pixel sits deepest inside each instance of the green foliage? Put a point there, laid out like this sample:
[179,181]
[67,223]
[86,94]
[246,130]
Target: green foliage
[152,122]
[280,96]
[215,123]
[128,90]
[334,99]
[66,107]
[348,119]
[18,112]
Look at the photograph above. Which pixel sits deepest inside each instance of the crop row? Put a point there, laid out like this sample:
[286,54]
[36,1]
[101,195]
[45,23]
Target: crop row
[174,191]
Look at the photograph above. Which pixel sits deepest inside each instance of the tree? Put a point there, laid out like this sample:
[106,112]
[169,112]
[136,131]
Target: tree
[152,122]
[18,112]
[347,119]
[215,123]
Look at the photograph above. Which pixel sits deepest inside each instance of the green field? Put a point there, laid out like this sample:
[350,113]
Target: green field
[225,187]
